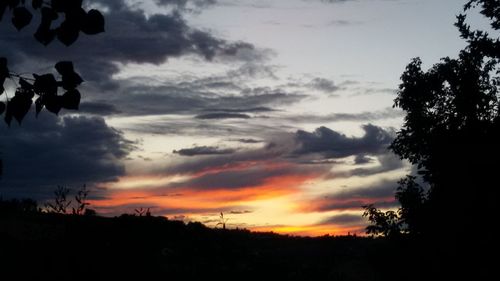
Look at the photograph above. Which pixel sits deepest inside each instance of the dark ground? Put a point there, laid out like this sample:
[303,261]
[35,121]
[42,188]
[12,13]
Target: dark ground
[63,247]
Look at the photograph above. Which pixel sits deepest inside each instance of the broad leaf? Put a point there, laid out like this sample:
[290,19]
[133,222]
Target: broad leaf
[13,3]
[39,105]
[93,23]
[71,81]
[3,7]
[44,34]
[53,103]
[64,6]
[21,17]
[45,84]
[25,85]
[64,67]
[4,73]
[18,107]
[71,99]
[68,32]
[2,107]
[36,4]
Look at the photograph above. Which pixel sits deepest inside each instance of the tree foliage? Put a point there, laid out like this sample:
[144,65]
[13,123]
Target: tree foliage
[451,131]
[51,93]
[407,219]
[76,19]
[45,86]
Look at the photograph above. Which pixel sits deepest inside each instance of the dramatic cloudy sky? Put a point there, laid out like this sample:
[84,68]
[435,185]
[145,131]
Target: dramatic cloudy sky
[277,113]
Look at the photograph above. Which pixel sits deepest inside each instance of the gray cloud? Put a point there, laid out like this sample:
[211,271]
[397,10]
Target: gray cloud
[98,108]
[381,194]
[339,22]
[324,85]
[223,115]
[362,159]
[388,113]
[387,162]
[344,219]
[51,151]
[183,4]
[203,150]
[130,37]
[332,144]
[221,161]
[192,99]
[253,176]
[247,140]
[382,190]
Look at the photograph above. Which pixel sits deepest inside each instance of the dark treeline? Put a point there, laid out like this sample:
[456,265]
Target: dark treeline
[42,245]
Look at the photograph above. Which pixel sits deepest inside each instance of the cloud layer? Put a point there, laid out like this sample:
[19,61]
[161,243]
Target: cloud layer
[44,153]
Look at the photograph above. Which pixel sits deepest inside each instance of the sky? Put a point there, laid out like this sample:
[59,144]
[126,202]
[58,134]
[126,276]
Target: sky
[276,113]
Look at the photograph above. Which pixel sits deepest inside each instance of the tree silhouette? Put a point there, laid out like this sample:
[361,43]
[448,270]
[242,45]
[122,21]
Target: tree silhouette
[451,133]
[45,86]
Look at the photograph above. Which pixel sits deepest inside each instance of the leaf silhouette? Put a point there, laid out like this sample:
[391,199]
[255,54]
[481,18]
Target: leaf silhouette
[71,99]
[93,23]
[38,105]
[3,7]
[64,67]
[44,34]
[45,84]
[21,17]
[2,107]
[53,103]
[68,32]
[4,73]
[13,3]
[36,4]
[25,85]
[18,107]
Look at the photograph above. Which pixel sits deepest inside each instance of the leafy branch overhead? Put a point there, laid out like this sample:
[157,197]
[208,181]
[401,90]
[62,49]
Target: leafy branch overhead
[76,19]
[45,87]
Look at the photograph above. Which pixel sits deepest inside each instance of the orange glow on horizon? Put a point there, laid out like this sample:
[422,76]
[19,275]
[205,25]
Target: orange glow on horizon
[311,230]
[271,197]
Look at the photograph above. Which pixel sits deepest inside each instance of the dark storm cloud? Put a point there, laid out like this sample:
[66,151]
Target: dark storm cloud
[203,150]
[222,115]
[332,144]
[175,99]
[98,108]
[44,153]
[130,37]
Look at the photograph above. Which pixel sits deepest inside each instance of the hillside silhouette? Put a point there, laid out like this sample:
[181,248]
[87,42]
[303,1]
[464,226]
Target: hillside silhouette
[36,244]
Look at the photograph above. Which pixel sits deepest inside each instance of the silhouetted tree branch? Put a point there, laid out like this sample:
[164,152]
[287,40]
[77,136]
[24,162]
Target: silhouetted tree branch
[45,86]
[451,132]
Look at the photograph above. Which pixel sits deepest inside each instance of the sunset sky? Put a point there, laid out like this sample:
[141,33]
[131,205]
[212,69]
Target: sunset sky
[277,113]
